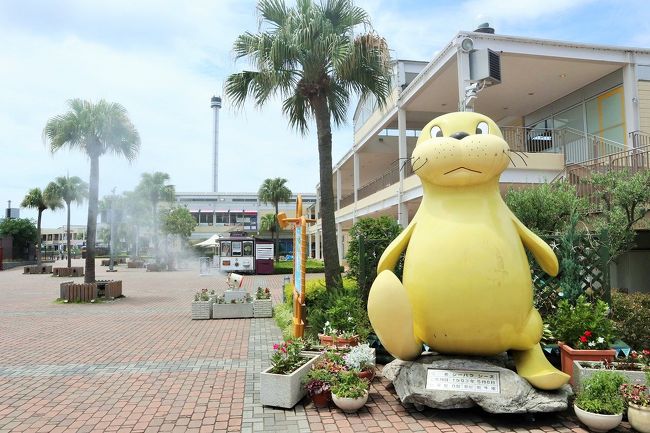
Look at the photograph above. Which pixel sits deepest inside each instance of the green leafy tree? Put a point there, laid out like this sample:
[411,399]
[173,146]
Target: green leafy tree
[178,221]
[153,188]
[546,208]
[275,191]
[624,199]
[23,232]
[37,199]
[311,56]
[94,129]
[374,234]
[269,223]
[68,189]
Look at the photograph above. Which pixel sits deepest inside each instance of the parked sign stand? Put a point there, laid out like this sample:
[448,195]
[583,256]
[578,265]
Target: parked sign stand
[299,262]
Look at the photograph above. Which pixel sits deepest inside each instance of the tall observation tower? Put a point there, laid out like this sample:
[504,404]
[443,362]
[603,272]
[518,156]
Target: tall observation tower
[215,104]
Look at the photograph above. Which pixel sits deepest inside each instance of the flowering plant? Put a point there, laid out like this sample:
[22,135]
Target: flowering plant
[286,357]
[583,325]
[589,341]
[360,358]
[636,394]
[263,293]
[202,295]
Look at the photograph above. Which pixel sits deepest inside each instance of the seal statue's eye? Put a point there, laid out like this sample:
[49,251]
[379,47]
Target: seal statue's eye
[436,131]
[482,128]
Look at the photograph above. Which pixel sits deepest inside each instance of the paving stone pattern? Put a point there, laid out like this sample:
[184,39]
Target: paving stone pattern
[139,364]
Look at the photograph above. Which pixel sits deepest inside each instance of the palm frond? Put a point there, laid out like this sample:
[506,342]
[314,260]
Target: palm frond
[274,12]
[297,109]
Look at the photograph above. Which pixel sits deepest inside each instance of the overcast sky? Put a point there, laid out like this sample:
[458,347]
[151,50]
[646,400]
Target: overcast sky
[164,59]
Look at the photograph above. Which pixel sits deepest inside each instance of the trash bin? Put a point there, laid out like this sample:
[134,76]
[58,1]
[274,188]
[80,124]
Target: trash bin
[264,266]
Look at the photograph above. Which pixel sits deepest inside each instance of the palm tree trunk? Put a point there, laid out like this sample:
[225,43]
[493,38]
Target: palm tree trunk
[330,249]
[155,231]
[68,237]
[276,234]
[91,233]
[38,244]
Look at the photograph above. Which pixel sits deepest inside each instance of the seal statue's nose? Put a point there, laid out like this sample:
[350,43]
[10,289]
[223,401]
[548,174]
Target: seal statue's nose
[459,135]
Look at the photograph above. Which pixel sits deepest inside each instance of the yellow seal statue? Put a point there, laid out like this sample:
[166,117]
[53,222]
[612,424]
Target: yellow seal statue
[466,287]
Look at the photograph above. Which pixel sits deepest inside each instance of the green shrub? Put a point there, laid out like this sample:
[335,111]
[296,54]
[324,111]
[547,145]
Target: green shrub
[630,314]
[283,315]
[582,324]
[311,267]
[600,393]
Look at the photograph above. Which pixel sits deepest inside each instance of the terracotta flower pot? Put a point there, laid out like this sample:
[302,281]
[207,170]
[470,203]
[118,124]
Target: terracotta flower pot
[569,354]
[321,399]
[328,340]
[368,374]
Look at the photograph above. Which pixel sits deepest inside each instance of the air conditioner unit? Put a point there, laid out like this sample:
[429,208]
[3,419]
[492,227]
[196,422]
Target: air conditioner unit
[485,65]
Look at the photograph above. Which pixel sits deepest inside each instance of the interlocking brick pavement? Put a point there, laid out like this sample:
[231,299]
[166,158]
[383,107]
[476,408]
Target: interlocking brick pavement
[139,364]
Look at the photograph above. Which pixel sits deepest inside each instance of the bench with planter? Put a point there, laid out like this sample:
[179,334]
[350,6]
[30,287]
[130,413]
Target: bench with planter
[74,271]
[232,311]
[135,264]
[37,269]
[86,292]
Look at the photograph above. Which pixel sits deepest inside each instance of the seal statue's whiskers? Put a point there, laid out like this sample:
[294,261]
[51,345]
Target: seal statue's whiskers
[421,165]
[519,154]
[513,163]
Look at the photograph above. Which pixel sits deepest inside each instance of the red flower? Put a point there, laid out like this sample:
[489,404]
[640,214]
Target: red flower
[583,339]
[587,333]
[646,352]
[634,355]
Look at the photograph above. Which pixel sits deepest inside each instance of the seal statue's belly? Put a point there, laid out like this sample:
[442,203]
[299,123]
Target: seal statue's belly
[473,291]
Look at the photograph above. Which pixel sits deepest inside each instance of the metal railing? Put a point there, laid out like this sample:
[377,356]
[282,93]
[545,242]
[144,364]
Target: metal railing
[531,140]
[581,146]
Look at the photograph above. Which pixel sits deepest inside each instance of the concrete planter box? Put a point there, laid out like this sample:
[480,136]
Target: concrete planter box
[237,295]
[582,372]
[262,308]
[284,390]
[232,311]
[201,310]
[569,355]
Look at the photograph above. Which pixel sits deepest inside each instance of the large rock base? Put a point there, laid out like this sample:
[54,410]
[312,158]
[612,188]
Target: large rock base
[516,394]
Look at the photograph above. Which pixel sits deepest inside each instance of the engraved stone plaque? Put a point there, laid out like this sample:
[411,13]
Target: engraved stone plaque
[463,380]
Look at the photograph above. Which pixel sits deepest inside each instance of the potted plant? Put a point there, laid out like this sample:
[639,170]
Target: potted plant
[281,384]
[317,384]
[584,332]
[361,359]
[349,391]
[262,304]
[202,305]
[346,324]
[637,398]
[599,404]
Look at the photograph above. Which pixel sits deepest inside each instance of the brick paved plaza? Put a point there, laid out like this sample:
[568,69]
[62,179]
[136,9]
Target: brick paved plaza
[139,364]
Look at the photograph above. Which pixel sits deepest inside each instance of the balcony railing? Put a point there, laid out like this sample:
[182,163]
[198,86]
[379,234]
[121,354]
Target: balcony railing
[579,148]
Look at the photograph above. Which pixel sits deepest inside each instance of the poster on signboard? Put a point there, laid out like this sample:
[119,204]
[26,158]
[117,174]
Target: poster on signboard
[297,260]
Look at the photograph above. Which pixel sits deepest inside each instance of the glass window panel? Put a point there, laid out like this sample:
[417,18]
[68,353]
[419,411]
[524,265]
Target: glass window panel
[571,118]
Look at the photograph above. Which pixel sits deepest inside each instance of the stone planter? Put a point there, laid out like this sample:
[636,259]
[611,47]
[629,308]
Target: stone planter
[262,308]
[236,295]
[350,405]
[582,372]
[135,264]
[75,271]
[201,310]
[639,418]
[37,269]
[596,422]
[232,311]
[569,354]
[284,390]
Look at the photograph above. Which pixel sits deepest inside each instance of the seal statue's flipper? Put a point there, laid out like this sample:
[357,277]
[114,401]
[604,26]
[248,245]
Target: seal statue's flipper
[533,366]
[391,316]
[544,254]
[391,254]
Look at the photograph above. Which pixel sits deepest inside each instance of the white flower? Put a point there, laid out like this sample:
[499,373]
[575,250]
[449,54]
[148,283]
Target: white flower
[601,340]
[350,319]
[327,323]
[591,343]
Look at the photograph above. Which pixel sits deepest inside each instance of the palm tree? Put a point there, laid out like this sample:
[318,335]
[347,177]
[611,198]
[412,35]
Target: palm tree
[68,189]
[37,199]
[269,223]
[95,129]
[310,56]
[274,191]
[153,189]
